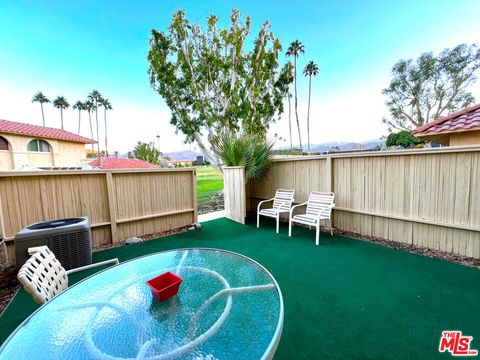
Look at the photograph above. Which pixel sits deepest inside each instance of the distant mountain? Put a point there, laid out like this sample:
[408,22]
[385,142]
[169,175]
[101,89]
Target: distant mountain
[346,146]
[182,155]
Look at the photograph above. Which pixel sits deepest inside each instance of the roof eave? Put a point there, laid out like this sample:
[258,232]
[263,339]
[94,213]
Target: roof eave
[443,139]
[86,141]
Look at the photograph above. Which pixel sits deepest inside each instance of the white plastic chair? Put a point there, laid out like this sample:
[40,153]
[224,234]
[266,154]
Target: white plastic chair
[282,202]
[319,207]
[43,277]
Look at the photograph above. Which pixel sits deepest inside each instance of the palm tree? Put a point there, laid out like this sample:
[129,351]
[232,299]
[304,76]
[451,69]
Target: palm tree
[61,103]
[295,49]
[80,106]
[89,107]
[253,152]
[106,106]
[311,69]
[95,98]
[290,119]
[39,97]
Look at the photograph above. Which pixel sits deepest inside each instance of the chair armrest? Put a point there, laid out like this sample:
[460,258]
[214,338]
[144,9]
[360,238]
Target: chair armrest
[295,206]
[330,208]
[282,203]
[264,201]
[94,265]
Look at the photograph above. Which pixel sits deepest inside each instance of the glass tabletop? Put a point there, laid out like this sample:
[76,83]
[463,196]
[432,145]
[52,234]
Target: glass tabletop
[228,307]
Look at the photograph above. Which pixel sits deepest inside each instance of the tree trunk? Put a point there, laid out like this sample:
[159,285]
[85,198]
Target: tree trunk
[98,136]
[308,112]
[91,128]
[290,120]
[208,154]
[61,117]
[296,110]
[79,120]
[43,115]
[106,143]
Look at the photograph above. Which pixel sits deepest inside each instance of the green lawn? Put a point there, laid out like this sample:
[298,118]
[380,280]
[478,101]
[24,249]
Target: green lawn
[344,299]
[209,182]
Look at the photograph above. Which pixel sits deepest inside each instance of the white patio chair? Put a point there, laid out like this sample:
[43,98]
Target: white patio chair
[319,207]
[43,277]
[282,202]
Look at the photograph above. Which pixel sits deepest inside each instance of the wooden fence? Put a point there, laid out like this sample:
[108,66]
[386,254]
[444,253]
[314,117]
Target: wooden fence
[234,193]
[429,197]
[119,203]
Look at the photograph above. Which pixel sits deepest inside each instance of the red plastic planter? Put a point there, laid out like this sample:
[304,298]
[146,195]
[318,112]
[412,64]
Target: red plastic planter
[165,286]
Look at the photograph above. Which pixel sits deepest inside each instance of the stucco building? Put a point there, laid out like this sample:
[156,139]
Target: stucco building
[42,147]
[460,128]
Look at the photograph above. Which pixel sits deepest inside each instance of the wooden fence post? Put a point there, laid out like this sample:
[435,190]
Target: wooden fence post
[234,193]
[195,205]
[112,205]
[2,229]
[329,181]
[329,174]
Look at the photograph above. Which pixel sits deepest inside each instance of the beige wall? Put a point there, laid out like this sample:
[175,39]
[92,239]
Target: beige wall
[6,160]
[64,153]
[465,138]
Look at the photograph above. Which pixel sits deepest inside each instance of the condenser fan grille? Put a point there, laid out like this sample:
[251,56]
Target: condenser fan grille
[72,248]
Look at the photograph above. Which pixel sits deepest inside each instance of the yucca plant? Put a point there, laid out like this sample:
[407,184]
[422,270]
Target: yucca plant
[252,152]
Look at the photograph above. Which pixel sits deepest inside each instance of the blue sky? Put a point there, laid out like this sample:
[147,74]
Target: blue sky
[69,48]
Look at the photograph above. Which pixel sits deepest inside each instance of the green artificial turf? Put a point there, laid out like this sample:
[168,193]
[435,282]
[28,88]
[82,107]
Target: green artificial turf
[344,299]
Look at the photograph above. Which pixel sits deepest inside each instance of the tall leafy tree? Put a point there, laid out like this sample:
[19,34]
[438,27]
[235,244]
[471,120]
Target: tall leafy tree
[430,87]
[147,152]
[310,70]
[88,105]
[211,82]
[80,106]
[42,99]
[295,49]
[285,80]
[61,103]
[106,106]
[95,97]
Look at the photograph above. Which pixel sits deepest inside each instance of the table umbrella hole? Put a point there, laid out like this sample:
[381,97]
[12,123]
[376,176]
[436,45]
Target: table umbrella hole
[164,286]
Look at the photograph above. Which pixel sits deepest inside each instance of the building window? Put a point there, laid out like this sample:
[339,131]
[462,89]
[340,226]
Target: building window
[4,144]
[39,145]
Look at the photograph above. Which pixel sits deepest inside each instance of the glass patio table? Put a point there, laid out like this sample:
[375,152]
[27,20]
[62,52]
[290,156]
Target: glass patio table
[228,307]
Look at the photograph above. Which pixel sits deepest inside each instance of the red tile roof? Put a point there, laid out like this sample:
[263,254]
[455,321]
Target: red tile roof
[465,120]
[12,127]
[114,163]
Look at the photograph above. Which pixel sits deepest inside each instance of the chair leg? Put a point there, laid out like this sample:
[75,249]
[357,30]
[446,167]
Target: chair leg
[317,235]
[258,220]
[290,227]
[330,223]
[278,223]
